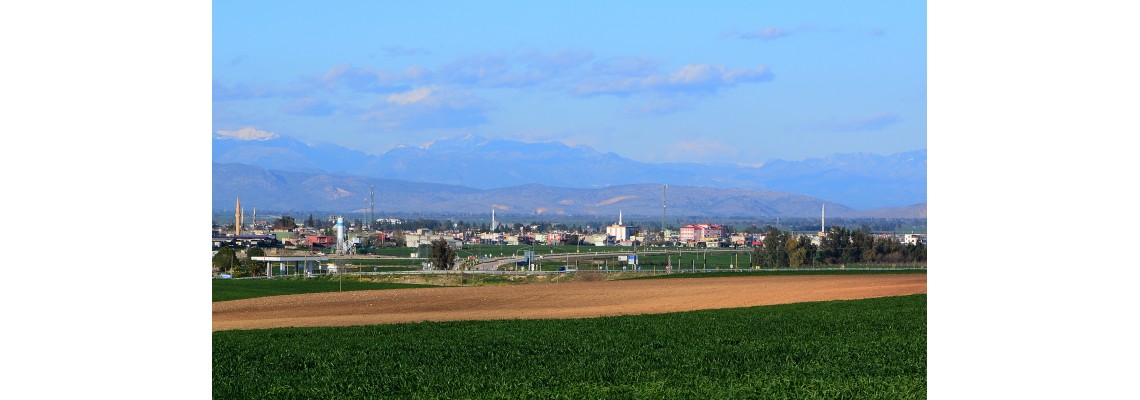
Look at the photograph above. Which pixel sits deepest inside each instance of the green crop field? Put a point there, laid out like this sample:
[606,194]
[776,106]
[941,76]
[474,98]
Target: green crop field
[234,289]
[368,262]
[873,348]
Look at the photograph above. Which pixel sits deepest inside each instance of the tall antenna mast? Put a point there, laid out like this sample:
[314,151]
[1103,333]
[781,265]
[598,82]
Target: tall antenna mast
[371,206]
[663,238]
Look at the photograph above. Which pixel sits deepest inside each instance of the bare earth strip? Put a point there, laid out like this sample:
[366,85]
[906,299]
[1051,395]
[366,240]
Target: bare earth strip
[553,300]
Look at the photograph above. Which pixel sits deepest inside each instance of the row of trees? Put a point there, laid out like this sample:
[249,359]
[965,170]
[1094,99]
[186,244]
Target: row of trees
[838,246]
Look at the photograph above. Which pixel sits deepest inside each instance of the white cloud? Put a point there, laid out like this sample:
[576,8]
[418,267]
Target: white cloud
[410,97]
[691,74]
[247,133]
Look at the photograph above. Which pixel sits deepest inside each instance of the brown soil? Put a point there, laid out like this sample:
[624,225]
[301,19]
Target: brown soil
[553,300]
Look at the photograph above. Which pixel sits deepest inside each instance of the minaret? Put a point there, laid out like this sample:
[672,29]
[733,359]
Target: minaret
[493,225]
[237,217]
[823,219]
[619,217]
[254,224]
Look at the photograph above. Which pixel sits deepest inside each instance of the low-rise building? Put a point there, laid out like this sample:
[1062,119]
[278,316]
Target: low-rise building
[914,238]
[698,232]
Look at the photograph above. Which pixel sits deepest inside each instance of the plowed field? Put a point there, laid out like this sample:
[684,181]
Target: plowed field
[553,300]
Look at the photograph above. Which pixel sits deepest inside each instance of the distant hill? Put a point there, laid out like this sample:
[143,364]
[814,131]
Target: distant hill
[911,211]
[291,190]
[860,180]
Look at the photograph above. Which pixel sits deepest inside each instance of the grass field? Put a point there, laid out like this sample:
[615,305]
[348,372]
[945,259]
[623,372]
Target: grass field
[381,261]
[235,289]
[874,348]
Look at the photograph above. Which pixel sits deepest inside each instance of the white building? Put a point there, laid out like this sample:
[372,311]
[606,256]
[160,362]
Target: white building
[914,238]
[620,232]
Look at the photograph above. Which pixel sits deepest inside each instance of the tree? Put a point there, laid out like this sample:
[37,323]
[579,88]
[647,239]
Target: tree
[442,256]
[398,238]
[797,253]
[286,222]
[225,260]
[832,245]
[249,266]
[310,223]
[774,252]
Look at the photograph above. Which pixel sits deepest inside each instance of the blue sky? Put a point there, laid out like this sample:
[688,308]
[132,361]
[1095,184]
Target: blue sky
[739,82]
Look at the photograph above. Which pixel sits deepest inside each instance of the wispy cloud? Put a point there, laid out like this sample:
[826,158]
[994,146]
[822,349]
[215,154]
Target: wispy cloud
[410,97]
[365,79]
[227,92]
[475,69]
[401,51]
[660,106]
[700,148]
[627,66]
[308,107]
[877,32]
[770,32]
[689,78]
[558,61]
[427,108]
[501,70]
[569,70]
[867,123]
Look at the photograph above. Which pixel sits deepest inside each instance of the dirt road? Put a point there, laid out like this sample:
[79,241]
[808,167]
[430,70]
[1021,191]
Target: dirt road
[553,300]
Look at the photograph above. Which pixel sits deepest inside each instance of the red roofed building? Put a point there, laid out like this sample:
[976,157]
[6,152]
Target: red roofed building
[321,240]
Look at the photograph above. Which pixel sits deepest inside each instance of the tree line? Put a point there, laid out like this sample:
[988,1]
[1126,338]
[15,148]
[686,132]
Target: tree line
[839,245]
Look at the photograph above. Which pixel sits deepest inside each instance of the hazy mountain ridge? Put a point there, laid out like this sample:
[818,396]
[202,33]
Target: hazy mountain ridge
[289,190]
[861,180]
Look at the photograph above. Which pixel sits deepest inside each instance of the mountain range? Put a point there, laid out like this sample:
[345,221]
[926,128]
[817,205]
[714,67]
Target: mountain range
[474,164]
[288,190]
